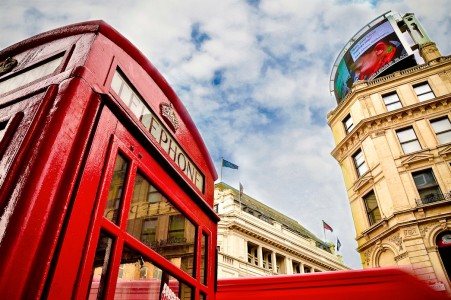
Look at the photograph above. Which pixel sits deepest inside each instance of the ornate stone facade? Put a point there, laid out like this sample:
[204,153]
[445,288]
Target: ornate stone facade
[255,240]
[401,205]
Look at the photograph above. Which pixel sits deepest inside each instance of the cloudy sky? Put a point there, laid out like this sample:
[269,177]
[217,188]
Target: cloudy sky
[254,76]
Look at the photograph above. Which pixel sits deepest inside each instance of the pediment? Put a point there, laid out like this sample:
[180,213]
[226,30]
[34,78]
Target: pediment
[445,151]
[362,181]
[414,158]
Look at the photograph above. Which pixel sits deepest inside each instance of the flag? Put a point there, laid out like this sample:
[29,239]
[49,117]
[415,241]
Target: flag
[338,244]
[326,226]
[228,164]
[241,189]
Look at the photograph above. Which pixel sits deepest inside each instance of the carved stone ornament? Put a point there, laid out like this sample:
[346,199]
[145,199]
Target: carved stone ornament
[168,114]
[397,240]
[7,65]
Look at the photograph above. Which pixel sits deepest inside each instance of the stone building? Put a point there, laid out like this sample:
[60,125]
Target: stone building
[256,240]
[393,143]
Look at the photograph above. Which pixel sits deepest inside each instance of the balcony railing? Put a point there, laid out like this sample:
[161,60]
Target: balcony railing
[431,198]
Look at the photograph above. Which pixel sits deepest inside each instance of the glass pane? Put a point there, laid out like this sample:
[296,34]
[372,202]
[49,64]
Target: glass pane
[426,96]
[116,187]
[411,147]
[406,135]
[421,89]
[444,137]
[362,169]
[31,75]
[441,125]
[203,296]
[388,99]
[117,82]
[394,106]
[370,201]
[375,216]
[358,158]
[158,224]
[3,127]
[138,278]
[203,259]
[99,270]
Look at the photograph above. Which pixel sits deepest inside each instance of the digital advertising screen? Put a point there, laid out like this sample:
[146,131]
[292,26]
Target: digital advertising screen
[374,52]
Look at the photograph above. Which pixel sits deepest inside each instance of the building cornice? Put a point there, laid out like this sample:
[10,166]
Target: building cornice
[377,125]
[325,260]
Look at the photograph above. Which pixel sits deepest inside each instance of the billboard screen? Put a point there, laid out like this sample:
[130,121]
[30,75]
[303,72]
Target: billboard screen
[374,52]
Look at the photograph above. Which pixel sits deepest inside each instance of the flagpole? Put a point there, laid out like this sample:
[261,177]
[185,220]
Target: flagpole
[324,230]
[222,163]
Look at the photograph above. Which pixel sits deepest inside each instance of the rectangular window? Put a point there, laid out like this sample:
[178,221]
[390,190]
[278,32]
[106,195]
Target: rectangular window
[372,209]
[392,101]
[427,186]
[423,91]
[442,129]
[408,140]
[359,162]
[348,124]
[35,72]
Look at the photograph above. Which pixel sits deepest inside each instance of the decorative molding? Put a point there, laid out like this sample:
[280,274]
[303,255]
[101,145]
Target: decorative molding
[401,256]
[382,122]
[445,152]
[410,232]
[415,158]
[367,256]
[397,240]
[363,181]
[424,229]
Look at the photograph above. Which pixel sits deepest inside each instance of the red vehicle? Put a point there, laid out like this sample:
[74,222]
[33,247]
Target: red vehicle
[104,179]
[106,187]
[370,284]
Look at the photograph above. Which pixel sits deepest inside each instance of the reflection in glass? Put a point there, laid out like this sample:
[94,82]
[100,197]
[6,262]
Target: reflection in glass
[139,278]
[157,223]
[99,270]
[116,188]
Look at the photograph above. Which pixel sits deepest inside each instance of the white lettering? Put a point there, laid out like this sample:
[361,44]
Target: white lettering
[158,131]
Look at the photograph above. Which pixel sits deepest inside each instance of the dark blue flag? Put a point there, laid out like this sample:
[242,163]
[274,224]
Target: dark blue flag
[228,164]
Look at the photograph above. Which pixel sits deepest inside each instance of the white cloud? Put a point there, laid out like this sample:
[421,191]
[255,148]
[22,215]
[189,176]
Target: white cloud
[268,115]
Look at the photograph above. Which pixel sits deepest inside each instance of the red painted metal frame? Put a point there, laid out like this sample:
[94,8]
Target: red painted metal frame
[56,159]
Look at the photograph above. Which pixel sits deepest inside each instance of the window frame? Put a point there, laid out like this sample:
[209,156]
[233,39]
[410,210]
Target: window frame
[429,186]
[349,128]
[419,95]
[437,134]
[388,105]
[358,166]
[402,143]
[370,213]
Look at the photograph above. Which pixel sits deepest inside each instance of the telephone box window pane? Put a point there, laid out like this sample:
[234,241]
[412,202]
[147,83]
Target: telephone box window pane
[115,193]
[99,270]
[138,278]
[203,259]
[32,74]
[154,221]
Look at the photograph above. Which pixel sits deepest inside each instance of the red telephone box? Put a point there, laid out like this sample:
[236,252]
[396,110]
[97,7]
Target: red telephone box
[106,187]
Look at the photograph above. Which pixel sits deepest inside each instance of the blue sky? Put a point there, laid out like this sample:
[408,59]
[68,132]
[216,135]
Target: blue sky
[254,76]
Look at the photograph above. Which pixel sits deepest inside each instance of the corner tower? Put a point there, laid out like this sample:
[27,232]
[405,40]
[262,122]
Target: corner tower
[392,136]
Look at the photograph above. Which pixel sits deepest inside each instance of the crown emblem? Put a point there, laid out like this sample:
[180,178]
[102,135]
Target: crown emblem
[7,65]
[169,116]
